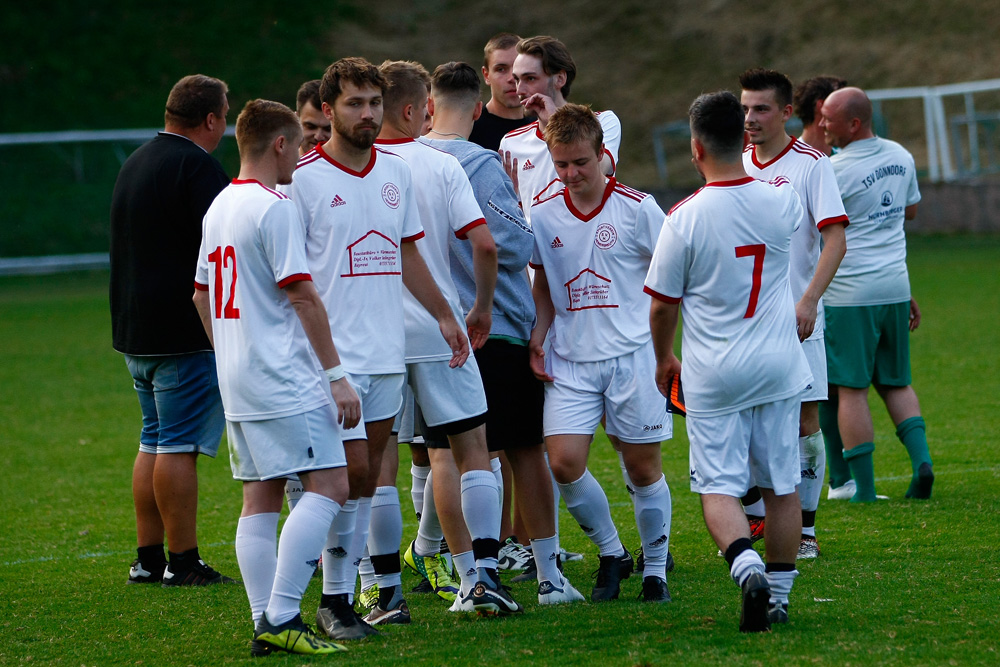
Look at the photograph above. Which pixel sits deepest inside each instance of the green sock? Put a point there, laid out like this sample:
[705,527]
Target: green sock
[840,473]
[863,471]
[912,433]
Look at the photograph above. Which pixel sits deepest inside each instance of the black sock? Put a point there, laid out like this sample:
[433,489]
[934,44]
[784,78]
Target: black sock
[779,567]
[736,548]
[152,556]
[183,561]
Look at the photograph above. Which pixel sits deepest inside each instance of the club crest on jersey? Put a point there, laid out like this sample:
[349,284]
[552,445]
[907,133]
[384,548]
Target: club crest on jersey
[527,165]
[606,236]
[390,195]
[337,201]
[556,243]
[886,198]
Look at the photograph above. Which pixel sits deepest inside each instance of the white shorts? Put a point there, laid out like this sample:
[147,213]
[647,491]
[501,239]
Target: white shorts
[623,388]
[762,441]
[815,350]
[261,450]
[446,394]
[381,397]
[405,425]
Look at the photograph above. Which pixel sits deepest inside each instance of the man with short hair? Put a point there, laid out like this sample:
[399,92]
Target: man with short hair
[266,329]
[514,395]
[159,200]
[451,399]
[503,113]
[309,108]
[593,242]
[870,312]
[726,266]
[544,71]
[808,102]
[818,245]
[361,226]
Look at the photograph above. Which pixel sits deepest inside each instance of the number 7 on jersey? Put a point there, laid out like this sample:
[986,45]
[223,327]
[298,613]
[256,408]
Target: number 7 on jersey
[757,252]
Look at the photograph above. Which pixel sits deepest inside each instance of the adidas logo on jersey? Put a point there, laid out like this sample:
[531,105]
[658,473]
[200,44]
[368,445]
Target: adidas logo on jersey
[527,165]
[337,201]
[556,243]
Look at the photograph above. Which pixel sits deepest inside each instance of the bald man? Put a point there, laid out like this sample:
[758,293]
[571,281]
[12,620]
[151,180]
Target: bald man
[869,312]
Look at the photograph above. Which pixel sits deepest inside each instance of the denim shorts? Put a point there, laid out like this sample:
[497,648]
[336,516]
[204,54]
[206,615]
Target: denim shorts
[180,401]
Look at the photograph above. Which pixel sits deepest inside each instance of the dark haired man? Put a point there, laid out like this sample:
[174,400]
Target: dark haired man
[726,267]
[159,200]
[503,113]
[309,108]
[808,102]
[818,245]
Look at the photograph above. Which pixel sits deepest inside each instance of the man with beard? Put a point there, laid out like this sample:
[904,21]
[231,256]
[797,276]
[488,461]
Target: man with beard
[361,221]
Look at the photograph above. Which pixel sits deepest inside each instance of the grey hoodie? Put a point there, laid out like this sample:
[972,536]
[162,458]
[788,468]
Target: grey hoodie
[513,307]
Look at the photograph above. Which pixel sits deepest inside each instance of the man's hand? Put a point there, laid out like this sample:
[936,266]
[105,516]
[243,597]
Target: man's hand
[510,166]
[805,317]
[456,340]
[666,369]
[536,359]
[478,323]
[914,314]
[542,106]
[348,403]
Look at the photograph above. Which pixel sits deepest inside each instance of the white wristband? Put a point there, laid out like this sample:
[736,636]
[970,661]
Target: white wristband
[335,373]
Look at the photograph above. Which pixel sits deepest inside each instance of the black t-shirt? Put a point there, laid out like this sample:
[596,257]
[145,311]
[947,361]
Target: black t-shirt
[489,129]
[161,195]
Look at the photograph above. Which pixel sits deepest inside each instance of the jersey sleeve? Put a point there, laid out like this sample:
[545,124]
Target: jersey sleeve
[648,225]
[412,227]
[201,270]
[612,136]
[913,191]
[463,208]
[283,238]
[668,269]
[826,206]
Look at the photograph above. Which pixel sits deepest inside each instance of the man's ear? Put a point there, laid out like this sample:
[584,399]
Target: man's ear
[478,111]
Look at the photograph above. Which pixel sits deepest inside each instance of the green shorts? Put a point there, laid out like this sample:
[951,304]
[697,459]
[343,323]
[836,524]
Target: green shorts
[868,345]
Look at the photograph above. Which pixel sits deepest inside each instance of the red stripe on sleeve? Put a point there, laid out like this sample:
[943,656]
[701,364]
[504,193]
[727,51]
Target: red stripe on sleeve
[411,239]
[464,231]
[660,297]
[833,221]
[200,287]
[294,278]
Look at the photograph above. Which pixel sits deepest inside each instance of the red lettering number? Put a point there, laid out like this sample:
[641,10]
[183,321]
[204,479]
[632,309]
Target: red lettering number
[757,252]
[220,258]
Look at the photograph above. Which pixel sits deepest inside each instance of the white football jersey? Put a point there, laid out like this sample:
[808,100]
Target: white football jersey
[810,173]
[877,180]
[723,254]
[355,223]
[536,175]
[253,245]
[595,265]
[447,205]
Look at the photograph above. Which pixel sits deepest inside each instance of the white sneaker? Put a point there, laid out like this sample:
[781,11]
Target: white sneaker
[513,556]
[845,492]
[549,593]
[462,603]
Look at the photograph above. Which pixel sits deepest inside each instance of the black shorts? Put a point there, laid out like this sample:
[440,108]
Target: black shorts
[436,437]
[514,396]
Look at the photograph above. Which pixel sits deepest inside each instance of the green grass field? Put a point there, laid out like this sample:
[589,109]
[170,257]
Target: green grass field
[900,582]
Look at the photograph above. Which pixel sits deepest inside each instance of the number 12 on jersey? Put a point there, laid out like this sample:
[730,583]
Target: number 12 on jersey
[757,252]
[221,258]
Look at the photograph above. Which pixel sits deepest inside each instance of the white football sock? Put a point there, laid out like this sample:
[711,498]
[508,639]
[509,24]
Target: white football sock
[546,553]
[359,543]
[257,554]
[810,531]
[465,565]
[781,585]
[386,533]
[429,532]
[744,565]
[338,568]
[586,501]
[367,573]
[293,491]
[629,486]
[812,459]
[755,509]
[652,517]
[555,492]
[418,476]
[481,509]
[497,466]
[299,547]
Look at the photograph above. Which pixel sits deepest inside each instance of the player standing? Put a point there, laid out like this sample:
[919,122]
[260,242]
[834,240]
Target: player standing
[361,223]
[725,252]
[504,112]
[309,108]
[818,245]
[593,242]
[262,312]
[870,312]
[808,102]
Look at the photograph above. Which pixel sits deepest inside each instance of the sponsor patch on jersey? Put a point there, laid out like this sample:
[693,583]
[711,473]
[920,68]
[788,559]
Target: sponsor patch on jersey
[606,236]
[390,195]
